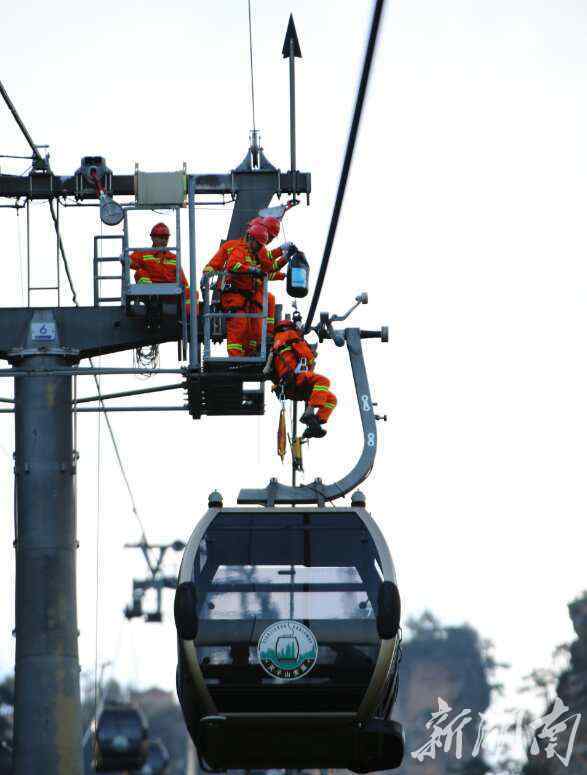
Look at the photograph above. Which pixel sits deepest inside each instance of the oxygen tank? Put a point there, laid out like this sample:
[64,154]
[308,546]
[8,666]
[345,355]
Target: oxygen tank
[298,276]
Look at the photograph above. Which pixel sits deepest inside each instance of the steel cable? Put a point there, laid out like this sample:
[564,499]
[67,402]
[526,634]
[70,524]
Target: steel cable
[252,74]
[98,514]
[369,55]
[62,252]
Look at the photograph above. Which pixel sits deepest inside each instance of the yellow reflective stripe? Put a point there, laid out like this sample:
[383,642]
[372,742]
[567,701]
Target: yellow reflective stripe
[229,250]
[321,388]
[237,265]
[209,269]
[151,257]
[330,406]
[271,320]
[144,280]
[234,347]
[284,349]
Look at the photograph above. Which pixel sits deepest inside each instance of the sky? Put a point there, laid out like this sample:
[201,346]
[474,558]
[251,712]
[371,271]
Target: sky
[463,220]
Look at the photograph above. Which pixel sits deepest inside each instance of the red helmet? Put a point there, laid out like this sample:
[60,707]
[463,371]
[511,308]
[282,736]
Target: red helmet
[259,233]
[258,221]
[273,225]
[284,324]
[159,230]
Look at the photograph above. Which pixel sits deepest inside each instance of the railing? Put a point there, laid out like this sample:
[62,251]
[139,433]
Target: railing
[211,312]
[133,291]
[127,249]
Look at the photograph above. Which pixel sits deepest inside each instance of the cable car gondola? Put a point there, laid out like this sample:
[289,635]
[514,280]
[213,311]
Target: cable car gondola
[289,639]
[121,741]
[157,759]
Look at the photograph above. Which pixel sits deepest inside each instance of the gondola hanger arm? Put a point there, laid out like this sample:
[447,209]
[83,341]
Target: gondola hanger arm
[318,492]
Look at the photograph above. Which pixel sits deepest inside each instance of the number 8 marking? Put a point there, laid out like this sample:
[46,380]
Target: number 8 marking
[366,404]
[370,439]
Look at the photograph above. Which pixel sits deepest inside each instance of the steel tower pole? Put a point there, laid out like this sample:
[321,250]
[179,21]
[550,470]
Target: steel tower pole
[48,733]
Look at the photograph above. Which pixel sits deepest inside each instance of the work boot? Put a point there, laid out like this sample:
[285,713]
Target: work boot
[314,429]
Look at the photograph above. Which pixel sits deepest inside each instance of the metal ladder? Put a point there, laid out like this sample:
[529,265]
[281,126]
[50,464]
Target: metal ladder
[98,260]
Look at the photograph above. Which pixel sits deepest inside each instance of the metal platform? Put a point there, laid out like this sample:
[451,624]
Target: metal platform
[153,289]
[221,391]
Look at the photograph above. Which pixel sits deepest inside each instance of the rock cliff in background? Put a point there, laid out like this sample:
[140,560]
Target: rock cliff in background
[572,690]
[450,663]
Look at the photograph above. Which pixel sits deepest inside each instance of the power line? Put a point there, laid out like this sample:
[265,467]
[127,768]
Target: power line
[369,54]
[252,74]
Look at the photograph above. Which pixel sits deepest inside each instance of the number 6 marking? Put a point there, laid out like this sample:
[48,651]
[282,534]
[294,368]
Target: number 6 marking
[366,404]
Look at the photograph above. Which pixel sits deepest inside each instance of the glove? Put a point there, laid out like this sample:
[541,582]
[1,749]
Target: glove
[288,249]
[269,365]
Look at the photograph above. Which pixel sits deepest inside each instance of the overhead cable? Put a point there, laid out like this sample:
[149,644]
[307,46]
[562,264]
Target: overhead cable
[252,74]
[62,252]
[98,515]
[368,61]
[120,463]
[17,118]
[37,155]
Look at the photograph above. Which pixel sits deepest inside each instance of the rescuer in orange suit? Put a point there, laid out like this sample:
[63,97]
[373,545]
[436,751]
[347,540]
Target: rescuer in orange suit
[292,361]
[242,289]
[158,266]
[273,260]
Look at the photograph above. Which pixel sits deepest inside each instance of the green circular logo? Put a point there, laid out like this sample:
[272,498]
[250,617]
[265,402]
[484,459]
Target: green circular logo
[287,650]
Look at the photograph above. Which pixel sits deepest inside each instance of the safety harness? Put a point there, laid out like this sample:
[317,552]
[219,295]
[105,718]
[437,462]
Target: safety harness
[226,286]
[305,358]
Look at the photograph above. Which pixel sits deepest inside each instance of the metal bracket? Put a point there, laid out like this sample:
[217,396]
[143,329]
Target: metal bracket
[68,352]
[317,492]
[42,337]
[157,580]
[253,187]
